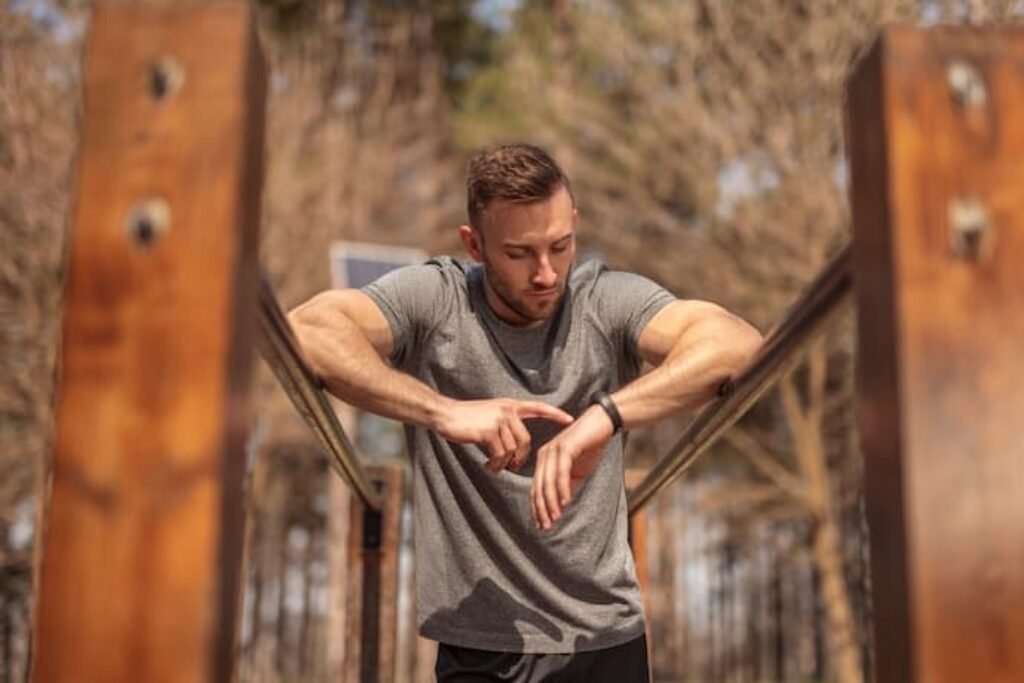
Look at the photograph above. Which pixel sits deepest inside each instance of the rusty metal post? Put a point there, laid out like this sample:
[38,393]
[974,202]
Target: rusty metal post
[936,143]
[142,549]
[638,537]
[638,543]
[372,615]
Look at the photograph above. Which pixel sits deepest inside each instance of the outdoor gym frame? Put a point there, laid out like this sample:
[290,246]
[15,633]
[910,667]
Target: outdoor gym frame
[141,565]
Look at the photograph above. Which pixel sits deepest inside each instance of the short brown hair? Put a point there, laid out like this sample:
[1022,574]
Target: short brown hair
[516,173]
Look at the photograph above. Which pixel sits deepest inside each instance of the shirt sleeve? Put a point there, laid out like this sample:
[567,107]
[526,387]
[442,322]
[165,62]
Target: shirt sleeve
[413,299]
[628,302]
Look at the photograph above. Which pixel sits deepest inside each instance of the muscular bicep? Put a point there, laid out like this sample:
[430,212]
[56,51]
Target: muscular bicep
[338,309]
[671,325]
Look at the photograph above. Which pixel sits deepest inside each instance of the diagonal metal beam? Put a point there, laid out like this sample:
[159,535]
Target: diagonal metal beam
[278,347]
[804,321]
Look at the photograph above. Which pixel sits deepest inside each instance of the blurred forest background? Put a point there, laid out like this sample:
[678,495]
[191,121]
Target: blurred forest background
[704,140]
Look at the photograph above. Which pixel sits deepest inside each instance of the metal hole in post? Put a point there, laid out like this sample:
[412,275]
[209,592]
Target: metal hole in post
[966,84]
[147,221]
[166,76]
[971,233]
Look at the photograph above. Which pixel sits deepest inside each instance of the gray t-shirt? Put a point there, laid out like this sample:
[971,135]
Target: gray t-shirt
[487,578]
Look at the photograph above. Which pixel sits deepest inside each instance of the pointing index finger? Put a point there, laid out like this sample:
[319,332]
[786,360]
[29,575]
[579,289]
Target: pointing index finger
[528,409]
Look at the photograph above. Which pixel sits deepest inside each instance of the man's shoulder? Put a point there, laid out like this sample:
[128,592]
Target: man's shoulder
[422,296]
[594,277]
[617,296]
[586,273]
[428,289]
[457,269]
[437,273]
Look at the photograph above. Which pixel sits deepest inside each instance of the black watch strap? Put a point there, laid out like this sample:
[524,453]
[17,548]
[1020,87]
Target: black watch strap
[602,399]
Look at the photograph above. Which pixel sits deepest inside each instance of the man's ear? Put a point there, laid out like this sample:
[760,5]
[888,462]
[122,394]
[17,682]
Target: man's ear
[471,242]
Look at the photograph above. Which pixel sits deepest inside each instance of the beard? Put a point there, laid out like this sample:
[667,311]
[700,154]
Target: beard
[530,311]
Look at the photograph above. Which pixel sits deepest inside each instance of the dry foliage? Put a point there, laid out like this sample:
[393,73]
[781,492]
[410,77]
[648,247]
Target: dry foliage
[705,143]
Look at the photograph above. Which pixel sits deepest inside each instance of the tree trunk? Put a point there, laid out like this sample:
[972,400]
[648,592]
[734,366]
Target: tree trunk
[752,589]
[836,602]
[306,650]
[778,619]
[283,562]
[806,426]
[819,628]
[681,637]
[8,650]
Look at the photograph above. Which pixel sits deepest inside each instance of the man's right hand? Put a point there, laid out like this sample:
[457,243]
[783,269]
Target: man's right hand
[497,426]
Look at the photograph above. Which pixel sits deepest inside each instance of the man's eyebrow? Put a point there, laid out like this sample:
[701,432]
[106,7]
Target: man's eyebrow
[511,244]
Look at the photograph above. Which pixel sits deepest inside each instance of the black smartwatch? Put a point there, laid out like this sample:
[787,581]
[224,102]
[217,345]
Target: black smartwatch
[602,399]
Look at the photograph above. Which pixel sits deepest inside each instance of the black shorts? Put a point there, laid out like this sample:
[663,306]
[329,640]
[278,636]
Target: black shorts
[626,663]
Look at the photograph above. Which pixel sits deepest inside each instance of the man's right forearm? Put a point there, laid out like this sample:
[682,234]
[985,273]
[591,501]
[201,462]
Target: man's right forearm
[347,356]
[351,369]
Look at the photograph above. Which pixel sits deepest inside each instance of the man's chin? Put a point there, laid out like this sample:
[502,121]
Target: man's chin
[538,313]
[533,309]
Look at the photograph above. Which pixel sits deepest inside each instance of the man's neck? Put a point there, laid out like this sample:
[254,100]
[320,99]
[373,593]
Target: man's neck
[504,311]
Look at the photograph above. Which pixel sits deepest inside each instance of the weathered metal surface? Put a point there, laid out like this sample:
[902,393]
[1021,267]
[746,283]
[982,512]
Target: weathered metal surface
[140,567]
[936,142]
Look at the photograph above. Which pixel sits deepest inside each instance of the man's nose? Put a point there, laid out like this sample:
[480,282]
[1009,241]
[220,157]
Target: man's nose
[544,275]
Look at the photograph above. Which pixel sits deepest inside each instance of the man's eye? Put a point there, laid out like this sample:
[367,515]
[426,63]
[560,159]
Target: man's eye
[514,255]
[559,248]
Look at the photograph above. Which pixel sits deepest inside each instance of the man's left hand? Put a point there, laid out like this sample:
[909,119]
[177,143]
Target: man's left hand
[565,461]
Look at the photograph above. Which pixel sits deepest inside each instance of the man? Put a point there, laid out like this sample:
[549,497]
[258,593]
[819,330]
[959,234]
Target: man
[501,372]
